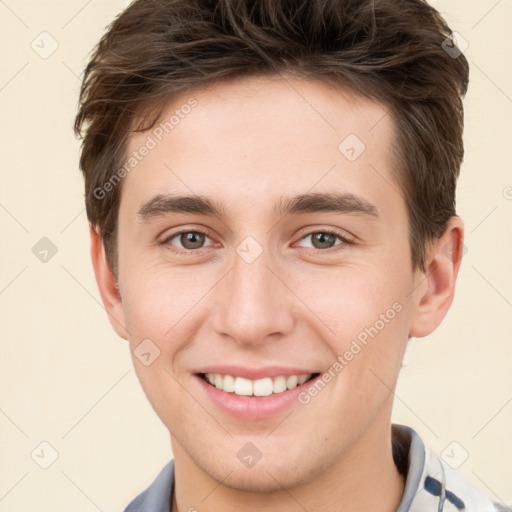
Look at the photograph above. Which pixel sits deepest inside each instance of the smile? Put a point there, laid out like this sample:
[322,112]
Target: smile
[261,387]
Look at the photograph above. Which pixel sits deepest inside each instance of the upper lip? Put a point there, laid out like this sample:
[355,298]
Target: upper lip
[254,373]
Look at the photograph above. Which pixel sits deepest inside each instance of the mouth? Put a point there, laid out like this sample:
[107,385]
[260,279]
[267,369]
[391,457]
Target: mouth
[263,387]
[254,393]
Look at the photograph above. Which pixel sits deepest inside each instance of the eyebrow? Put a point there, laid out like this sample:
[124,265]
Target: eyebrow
[312,202]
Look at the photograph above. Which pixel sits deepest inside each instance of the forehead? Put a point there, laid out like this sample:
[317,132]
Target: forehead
[258,137]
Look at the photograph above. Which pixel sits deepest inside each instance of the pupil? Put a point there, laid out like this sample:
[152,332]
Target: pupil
[189,240]
[321,237]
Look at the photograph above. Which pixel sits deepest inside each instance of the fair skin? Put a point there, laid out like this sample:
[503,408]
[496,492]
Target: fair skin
[298,305]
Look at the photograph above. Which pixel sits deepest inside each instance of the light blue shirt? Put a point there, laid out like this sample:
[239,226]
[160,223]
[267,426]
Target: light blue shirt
[430,484]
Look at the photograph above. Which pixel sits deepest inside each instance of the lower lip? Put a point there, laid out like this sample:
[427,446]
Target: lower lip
[253,407]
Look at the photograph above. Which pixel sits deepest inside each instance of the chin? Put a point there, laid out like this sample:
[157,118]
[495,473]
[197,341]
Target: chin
[266,476]
[264,480]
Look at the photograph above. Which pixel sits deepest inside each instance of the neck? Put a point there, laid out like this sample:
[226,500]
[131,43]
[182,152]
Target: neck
[366,478]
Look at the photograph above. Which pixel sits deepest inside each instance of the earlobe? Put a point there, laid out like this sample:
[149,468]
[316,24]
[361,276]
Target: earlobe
[433,299]
[107,284]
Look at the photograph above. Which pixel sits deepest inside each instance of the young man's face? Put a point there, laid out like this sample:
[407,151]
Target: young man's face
[267,293]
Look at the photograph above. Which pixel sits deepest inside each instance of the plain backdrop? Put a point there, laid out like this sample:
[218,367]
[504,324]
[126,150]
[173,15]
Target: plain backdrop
[66,379]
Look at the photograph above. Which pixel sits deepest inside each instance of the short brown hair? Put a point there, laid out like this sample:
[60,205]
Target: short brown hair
[392,51]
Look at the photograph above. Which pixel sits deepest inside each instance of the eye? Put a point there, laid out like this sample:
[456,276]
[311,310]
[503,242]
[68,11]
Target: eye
[193,240]
[325,239]
[189,240]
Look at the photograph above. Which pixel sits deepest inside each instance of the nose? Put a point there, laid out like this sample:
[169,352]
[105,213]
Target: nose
[255,304]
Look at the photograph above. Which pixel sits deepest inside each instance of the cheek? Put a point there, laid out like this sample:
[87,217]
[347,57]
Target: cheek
[347,300]
[362,315]
[159,302]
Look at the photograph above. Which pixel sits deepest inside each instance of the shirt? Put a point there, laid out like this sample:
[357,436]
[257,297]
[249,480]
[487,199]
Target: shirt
[430,484]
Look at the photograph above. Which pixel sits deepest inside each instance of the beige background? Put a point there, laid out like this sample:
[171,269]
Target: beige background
[67,379]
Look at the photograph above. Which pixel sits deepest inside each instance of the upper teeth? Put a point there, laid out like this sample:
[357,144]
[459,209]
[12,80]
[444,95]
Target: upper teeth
[260,387]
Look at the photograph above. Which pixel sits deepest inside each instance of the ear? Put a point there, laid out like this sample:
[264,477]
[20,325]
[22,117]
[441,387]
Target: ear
[442,264]
[107,284]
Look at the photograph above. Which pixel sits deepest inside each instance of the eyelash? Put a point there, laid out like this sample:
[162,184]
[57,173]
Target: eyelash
[187,252]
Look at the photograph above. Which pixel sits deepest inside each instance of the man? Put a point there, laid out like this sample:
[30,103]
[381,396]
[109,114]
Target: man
[271,193]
